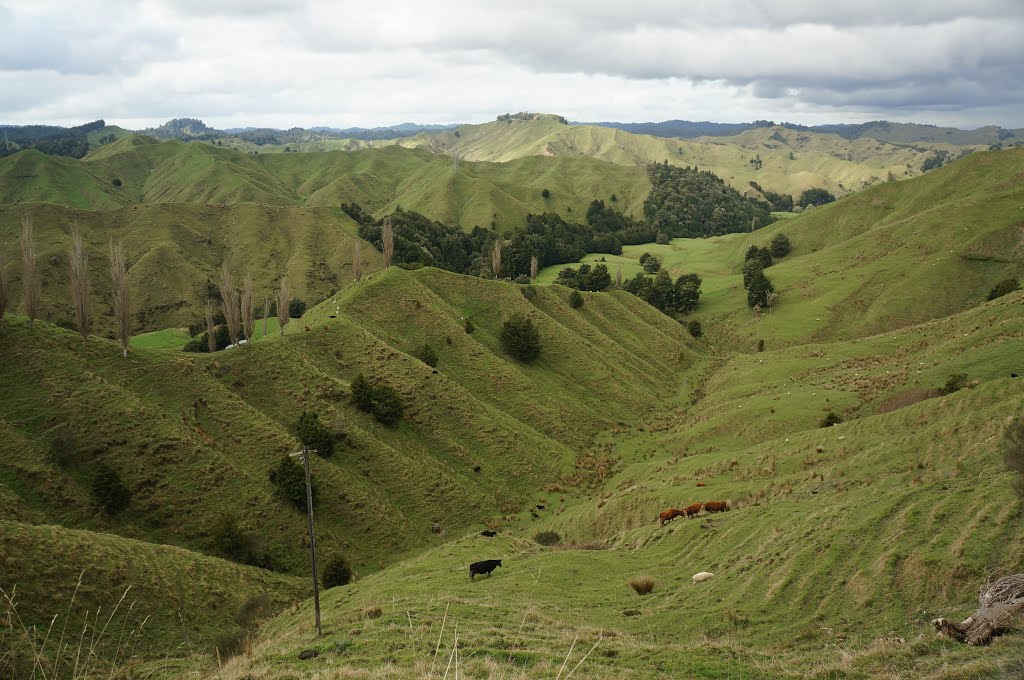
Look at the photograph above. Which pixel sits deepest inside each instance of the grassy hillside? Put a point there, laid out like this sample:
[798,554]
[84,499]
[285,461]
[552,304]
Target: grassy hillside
[791,161]
[842,544]
[896,254]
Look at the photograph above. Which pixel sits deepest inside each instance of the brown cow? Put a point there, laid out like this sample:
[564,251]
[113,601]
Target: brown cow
[691,510]
[669,515]
[716,506]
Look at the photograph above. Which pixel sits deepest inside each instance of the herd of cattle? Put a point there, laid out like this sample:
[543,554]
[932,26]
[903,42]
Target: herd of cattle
[693,510]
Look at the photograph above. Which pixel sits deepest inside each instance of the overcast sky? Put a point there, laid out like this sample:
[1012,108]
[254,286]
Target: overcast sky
[284,63]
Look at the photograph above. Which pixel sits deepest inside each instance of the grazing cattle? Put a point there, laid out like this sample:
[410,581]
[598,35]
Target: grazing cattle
[691,510]
[484,567]
[700,483]
[716,506]
[488,533]
[703,576]
[669,515]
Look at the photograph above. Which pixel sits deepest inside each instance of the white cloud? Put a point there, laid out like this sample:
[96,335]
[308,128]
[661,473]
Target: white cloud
[283,63]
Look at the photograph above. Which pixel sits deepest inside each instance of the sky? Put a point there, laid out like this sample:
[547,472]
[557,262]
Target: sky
[285,63]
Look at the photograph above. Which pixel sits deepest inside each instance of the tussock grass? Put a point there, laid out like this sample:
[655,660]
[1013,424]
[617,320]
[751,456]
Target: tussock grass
[643,585]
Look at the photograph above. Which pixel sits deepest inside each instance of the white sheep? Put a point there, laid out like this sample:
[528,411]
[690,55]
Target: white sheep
[703,576]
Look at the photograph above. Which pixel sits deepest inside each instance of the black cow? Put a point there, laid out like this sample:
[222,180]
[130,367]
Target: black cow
[484,567]
[488,533]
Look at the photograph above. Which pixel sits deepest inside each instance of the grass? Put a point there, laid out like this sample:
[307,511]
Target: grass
[168,338]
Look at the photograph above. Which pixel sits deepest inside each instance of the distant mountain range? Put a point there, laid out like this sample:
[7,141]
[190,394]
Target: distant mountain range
[194,129]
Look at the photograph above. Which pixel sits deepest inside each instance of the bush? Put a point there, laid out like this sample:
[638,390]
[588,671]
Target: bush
[362,393]
[575,299]
[545,194]
[108,491]
[954,383]
[519,338]
[529,292]
[596,279]
[643,585]
[289,478]
[239,546]
[644,258]
[759,290]
[468,326]
[760,345]
[816,196]
[780,246]
[313,434]
[662,238]
[427,355]
[1004,287]
[694,327]
[387,405]
[548,538]
[296,308]
[63,447]
[652,265]
[336,573]
[830,419]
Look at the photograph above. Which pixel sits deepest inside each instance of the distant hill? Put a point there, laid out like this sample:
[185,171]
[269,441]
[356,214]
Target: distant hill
[885,131]
[190,129]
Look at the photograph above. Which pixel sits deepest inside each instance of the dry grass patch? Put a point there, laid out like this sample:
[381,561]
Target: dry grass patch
[643,585]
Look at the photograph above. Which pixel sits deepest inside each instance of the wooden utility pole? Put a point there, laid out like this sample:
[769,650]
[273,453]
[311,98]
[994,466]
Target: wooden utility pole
[312,536]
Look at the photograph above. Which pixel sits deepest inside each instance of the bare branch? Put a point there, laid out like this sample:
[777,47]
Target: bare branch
[248,308]
[119,278]
[357,261]
[496,259]
[30,276]
[211,333]
[387,239]
[282,305]
[229,303]
[79,260]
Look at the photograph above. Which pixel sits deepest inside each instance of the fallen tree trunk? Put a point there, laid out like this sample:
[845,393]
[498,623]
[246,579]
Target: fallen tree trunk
[1000,610]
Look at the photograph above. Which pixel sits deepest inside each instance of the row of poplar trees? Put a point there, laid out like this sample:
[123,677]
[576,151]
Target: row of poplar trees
[238,308]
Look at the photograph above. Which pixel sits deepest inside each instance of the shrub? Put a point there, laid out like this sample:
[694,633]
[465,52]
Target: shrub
[296,308]
[645,257]
[387,405]
[1004,287]
[816,196]
[468,326]
[829,420]
[643,585]
[63,446]
[652,265]
[529,292]
[575,299]
[289,478]
[694,327]
[662,238]
[954,383]
[109,491]
[548,538]
[779,246]
[336,573]
[313,434]
[232,643]
[362,393]
[116,182]
[427,355]
[239,546]
[519,338]
[760,345]
[545,194]
[522,279]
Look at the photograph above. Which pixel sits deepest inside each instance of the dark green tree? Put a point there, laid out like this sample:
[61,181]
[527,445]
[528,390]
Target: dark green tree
[779,246]
[575,299]
[519,338]
[313,434]
[694,327]
[362,393]
[687,293]
[289,478]
[830,419]
[296,308]
[427,355]
[596,279]
[337,572]
[663,291]
[387,405]
[1004,287]
[652,265]
[816,196]
[109,492]
[759,290]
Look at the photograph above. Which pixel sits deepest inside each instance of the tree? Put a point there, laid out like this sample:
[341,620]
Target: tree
[387,239]
[337,573]
[759,289]
[687,293]
[533,267]
[1004,287]
[289,479]
[750,268]
[816,196]
[30,274]
[652,265]
[596,279]
[122,305]
[694,327]
[362,393]
[662,238]
[779,246]
[109,491]
[282,305]
[496,259]
[1013,451]
[229,304]
[266,314]
[427,355]
[248,308]
[79,261]
[830,419]
[387,405]
[296,308]
[519,338]
[313,434]
[662,291]
[644,258]
[762,256]
[575,299]
[211,339]
[4,295]
[468,326]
